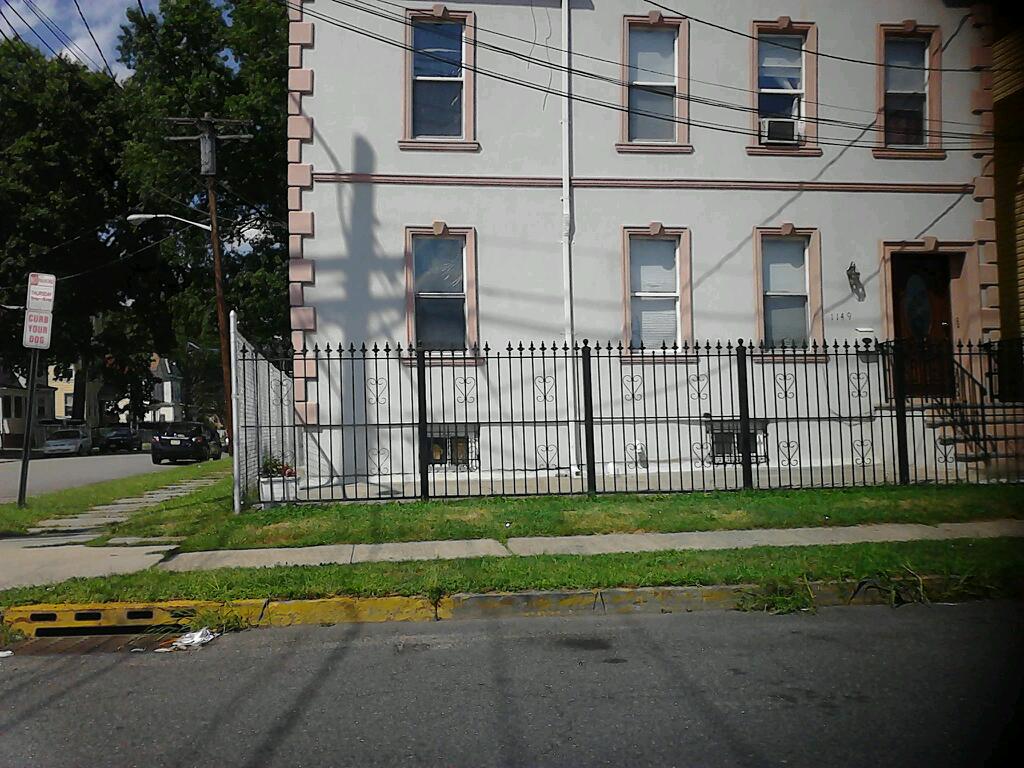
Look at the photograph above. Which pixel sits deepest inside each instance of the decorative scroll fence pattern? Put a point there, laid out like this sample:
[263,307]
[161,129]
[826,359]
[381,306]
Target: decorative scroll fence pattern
[402,422]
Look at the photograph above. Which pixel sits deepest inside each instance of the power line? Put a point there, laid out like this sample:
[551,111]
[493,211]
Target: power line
[59,34]
[125,257]
[89,30]
[722,128]
[820,54]
[688,97]
[30,27]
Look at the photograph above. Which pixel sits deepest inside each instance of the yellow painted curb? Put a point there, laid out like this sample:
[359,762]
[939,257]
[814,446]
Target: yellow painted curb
[52,619]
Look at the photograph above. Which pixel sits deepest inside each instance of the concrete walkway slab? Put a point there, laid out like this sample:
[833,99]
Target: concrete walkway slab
[26,566]
[770,537]
[259,558]
[427,550]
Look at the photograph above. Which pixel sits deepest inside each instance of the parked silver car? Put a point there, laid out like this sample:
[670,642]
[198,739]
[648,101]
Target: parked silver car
[68,442]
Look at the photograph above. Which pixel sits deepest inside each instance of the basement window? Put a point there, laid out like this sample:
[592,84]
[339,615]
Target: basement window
[454,446]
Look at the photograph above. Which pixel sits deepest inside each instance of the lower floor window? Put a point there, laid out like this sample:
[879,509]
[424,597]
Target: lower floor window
[724,436]
[454,445]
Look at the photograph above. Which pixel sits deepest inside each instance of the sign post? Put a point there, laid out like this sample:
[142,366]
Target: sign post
[36,336]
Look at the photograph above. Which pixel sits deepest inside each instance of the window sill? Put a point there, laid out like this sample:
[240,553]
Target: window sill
[908,154]
[758,150]
[796,357]
[448,360]
[438,145]
[655,357]
[652,148]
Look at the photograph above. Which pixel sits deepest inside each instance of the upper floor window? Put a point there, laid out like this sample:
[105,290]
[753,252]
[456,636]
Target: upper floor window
[439,92]
[906,90]
[442,298]
[437,89]
[789,287]
[657,266]
[654,91]
[785,85]
[909,91]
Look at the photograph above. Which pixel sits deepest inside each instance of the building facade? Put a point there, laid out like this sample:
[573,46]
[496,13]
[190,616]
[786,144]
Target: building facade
[494,172]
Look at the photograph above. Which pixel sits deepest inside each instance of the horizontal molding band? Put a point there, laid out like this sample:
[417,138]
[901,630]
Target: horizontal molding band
[595,182]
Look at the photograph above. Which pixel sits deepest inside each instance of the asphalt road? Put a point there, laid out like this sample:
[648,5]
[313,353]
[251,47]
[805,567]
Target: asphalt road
[917,686]
[55,474]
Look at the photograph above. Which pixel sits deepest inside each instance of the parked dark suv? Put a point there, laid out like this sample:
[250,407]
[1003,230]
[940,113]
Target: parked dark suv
[120,439]
[186,440]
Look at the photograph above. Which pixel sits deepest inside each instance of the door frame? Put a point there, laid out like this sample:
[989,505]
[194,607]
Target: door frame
[964,283]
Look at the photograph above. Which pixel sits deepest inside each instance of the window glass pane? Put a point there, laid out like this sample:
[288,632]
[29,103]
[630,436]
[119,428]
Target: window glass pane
[652,113]
[905,52]
[778,105]
[904,118]
[653,321]
[438,49]
[782,264]
[437,108]
[780,61]
[652,54]
[441,322]
[785,320]
[437,264]
[652,265]
[19,405]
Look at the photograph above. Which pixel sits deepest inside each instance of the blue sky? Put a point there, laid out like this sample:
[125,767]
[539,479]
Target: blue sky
[104,16]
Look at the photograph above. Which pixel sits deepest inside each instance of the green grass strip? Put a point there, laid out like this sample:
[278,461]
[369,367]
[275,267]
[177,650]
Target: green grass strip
[205,518]
[988,567]
[71,501]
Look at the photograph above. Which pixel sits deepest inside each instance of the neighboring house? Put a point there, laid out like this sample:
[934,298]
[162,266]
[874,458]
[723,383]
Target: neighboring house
[823,171]
[14,409]
[166,403]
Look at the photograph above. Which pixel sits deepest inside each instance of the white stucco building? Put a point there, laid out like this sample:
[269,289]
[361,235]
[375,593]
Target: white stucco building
[774,171]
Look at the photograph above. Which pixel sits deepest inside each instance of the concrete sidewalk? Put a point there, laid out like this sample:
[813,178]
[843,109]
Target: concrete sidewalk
[345,554]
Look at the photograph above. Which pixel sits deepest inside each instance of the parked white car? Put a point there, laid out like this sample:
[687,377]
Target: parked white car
[68,442]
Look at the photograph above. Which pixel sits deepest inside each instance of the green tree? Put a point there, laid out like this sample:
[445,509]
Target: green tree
[228,59]
[63,129]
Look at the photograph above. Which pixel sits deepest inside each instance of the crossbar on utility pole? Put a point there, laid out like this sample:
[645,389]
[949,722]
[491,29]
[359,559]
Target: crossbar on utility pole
[208,139]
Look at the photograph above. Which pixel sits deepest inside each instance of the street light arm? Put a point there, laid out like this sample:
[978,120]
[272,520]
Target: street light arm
[138,218]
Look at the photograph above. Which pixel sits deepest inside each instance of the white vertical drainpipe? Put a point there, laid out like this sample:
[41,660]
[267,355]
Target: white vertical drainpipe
[567,222]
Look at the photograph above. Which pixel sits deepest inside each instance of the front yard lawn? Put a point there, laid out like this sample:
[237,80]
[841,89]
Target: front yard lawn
[975,568]
[206,520]
[72,501]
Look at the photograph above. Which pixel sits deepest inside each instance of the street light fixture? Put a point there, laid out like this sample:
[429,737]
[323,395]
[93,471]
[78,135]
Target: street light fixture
[138,218]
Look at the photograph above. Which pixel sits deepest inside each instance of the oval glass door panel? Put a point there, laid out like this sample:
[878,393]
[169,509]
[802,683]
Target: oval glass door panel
[917,306]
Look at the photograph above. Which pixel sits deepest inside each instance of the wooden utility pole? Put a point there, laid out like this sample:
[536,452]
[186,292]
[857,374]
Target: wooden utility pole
[208,138]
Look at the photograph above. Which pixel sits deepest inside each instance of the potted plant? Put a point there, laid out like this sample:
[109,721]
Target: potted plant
[278,481]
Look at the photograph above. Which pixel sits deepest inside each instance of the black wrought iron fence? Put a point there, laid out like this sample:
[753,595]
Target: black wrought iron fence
[391,421]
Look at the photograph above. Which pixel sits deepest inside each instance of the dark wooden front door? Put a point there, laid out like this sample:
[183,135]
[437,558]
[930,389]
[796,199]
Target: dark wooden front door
[922,323]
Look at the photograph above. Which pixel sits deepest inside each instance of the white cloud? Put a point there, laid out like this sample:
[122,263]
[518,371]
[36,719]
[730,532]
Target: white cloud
[104,16]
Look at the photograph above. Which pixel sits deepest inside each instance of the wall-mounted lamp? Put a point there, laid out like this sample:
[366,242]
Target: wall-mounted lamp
[856,286]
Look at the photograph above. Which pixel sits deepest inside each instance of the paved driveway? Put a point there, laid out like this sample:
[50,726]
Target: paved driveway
[72,471]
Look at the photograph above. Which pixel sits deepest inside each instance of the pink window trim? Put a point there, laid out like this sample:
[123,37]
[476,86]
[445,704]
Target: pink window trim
[808,146]
[932,149]
[815,310]
[468,142]
[469,278]
[681,146]
[683,266]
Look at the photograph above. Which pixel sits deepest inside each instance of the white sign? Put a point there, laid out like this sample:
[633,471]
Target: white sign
[37,329]
[41,288]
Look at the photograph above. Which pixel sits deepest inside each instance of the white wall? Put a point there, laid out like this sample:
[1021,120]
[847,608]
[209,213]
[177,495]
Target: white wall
[356,108]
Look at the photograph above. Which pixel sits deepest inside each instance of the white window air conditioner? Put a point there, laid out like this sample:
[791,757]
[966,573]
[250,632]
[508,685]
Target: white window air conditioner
[780,130]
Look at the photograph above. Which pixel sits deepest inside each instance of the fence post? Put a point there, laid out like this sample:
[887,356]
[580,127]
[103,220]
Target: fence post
[588,417]
[899,392]
[421,421]
[744,398]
